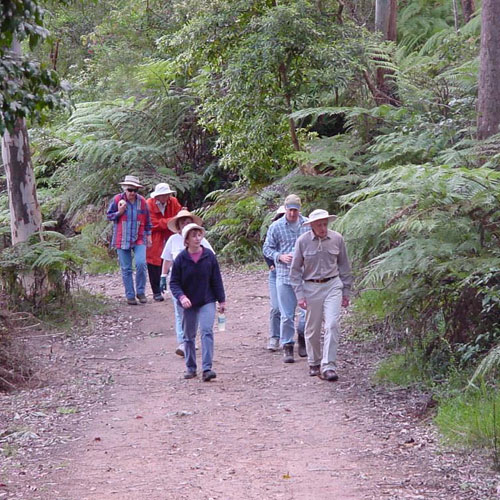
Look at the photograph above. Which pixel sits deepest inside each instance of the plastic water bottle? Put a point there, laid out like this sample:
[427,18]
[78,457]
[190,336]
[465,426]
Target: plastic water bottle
[221,322]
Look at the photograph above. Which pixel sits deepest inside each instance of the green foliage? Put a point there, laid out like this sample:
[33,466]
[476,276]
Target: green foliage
[29,269]
[403,370]
[471,418]
[27,89]
[235,221]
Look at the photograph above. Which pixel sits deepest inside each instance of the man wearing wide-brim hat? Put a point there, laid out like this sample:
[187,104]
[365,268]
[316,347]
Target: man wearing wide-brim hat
[131,234]
[162,205]
[321,277]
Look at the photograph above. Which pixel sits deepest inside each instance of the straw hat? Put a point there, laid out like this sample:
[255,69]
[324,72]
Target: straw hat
[319,214]
[162,188]
[131,180]
[189,227]
[172,223]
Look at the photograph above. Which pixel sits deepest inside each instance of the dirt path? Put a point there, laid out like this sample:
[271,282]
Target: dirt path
[124,424]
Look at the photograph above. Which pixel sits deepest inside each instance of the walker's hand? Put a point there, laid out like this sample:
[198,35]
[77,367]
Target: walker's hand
[163,284]
[122,207]
[222,307]
[302,303]
[286,258]
[345,301]
[149,241]
[185,303]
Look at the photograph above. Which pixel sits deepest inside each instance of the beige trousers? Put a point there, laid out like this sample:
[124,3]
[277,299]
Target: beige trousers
[323,303]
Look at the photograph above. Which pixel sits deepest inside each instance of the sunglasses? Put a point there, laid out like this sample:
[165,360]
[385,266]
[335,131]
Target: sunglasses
[132,190]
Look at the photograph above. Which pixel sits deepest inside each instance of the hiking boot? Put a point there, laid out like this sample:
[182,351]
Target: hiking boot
[274,344]
[188,375]
[142,298]
[158,297]
[330,375]
[180,350]
[314,371]
[208,375]
[288,353]
[131,302]
[302,345]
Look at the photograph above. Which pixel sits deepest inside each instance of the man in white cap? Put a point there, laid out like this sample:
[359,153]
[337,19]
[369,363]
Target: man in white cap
[162,206]
[321,277]
[131,233]
[278,246]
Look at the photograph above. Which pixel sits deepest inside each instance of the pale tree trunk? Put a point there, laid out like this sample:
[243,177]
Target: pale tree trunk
[386,23]
[25,213]
[488,103]
[468,8]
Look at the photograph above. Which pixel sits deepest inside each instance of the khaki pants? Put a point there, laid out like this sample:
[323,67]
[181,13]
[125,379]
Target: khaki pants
[323,303]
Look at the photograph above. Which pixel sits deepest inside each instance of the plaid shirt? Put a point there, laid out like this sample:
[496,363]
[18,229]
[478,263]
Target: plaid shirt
[130,228]
[280,239]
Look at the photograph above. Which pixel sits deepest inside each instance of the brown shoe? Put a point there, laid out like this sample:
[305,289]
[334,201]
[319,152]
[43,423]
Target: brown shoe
[314,371]
[142,298]
[288,353]
[330,375]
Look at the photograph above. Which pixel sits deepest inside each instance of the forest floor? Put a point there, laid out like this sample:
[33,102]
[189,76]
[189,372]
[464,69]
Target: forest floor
[112,417]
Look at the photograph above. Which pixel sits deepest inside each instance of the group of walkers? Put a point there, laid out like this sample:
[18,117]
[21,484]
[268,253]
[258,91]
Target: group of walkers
[160,228]
[308,267]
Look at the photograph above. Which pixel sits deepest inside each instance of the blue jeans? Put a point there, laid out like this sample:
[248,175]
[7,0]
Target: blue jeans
[287,303]
[141,270]
[274,313]
[205,316]
[179,313]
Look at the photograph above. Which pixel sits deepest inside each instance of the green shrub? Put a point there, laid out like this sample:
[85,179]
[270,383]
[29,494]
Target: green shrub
[471,418]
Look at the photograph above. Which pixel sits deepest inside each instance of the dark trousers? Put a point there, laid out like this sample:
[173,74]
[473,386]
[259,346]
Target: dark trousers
[154,273]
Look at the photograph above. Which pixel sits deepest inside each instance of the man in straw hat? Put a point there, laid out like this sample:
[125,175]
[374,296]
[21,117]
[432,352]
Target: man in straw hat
[162,206]
[173,247]
[278,246]
[321,277]
[131,233]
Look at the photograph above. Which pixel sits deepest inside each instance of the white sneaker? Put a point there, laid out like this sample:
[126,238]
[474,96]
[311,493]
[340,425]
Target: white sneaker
[274,344]
[180,350]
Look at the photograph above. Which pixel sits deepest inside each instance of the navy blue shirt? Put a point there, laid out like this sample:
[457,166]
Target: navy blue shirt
[200,282]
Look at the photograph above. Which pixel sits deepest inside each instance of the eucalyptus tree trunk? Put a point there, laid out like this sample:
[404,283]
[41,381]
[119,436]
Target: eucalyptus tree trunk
[25,213]
[386,23]
[488,103]
[468,8]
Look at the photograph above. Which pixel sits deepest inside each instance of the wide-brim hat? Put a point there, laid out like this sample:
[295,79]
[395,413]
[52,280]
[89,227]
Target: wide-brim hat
[189,227]
[162,188]
[131,180]
[172,223]
[319,214]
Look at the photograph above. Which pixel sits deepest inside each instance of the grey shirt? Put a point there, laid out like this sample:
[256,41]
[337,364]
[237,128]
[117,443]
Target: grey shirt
[315,259]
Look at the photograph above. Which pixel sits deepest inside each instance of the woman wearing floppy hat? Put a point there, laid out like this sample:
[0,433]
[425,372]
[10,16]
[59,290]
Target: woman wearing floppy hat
[162,206]
[321,277]
[173,247]
[131,233]
[197,284]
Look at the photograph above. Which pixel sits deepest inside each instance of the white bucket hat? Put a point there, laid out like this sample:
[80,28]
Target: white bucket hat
[319,214]
[131,180]
[162,188]
[189,227]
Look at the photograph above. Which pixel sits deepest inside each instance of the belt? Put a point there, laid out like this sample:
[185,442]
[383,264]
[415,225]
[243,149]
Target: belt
[324,280]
